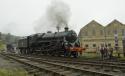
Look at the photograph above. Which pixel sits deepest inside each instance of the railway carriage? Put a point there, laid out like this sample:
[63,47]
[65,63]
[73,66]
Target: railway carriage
[22,45]
[64,43]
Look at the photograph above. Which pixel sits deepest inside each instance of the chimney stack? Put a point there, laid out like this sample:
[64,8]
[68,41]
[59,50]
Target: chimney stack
[66,29]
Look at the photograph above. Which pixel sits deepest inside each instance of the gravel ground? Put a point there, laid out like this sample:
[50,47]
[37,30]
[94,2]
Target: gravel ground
[11,68]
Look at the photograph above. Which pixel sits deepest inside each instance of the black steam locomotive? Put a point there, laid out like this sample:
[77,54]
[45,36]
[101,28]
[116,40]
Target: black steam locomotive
[63,43]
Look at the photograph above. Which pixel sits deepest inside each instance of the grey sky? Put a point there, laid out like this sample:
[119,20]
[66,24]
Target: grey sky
[22,15]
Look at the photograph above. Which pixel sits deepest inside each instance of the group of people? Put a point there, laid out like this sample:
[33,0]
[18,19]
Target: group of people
[106,52]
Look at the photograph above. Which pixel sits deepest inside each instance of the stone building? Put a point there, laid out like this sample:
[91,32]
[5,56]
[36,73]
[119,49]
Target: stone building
[94,34]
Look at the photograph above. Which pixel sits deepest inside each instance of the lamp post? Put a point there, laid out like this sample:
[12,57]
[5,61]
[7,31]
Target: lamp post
[123,42]
[116,40]
[58,28]
[105,35]
[116,43]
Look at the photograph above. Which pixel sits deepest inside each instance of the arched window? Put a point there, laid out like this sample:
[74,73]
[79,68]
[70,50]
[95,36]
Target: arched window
[115,31]
[101,32]
[86,33]
[94,45]
[109,44]
[108,32]
[123,32]
[86,45]
[93,32]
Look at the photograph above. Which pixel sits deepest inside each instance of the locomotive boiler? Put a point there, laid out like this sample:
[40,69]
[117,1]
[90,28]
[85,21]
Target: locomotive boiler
[63,43]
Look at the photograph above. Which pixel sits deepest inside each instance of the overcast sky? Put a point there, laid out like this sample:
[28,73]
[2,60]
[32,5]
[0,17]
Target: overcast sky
[19,17]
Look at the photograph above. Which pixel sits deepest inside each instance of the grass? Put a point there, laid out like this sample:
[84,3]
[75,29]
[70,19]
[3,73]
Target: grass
[94,55]
[90,56]
[12,72]
[122,59]
[2,46]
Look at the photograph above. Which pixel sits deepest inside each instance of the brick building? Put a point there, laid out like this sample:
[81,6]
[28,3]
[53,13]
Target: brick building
[94,34]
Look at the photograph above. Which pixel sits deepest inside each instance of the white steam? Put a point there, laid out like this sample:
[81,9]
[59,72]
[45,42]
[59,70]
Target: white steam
[57,16]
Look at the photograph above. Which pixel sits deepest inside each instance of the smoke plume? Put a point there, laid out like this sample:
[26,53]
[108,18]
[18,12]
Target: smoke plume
[57,15]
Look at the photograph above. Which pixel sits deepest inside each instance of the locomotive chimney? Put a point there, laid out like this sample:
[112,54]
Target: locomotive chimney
[66,29]
[58,28]
[49,31]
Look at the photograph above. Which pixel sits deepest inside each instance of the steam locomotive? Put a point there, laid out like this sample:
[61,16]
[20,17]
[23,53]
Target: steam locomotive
[64,43]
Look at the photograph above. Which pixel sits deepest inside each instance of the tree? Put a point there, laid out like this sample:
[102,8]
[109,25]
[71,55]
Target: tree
[0,35]
[8,38]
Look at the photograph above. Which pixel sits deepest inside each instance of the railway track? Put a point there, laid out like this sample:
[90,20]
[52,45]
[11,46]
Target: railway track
[113,65]
[70,68]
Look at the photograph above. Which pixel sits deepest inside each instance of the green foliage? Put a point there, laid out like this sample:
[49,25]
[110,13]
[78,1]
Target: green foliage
[8,38]
[2,45]
[91,55]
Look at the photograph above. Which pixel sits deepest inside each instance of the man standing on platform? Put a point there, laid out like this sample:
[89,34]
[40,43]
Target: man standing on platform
[102,52]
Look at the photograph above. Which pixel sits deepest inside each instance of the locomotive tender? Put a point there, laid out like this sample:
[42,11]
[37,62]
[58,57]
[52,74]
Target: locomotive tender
[64,43]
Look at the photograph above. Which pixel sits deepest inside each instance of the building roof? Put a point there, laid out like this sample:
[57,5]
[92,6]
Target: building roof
[114,22]
[91,23]
[94,22]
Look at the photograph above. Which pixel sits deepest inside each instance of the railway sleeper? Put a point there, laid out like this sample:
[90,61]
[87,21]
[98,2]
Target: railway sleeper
[85,68]
[56,73]
[56,65]
[82,70]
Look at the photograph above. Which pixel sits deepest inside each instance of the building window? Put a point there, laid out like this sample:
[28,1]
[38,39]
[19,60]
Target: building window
[86,33]
[109,44]
[94,45]
[101,32]
[115,31]
[93,32]
[108,32]
[102,45]
[123,32]
[86,45]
